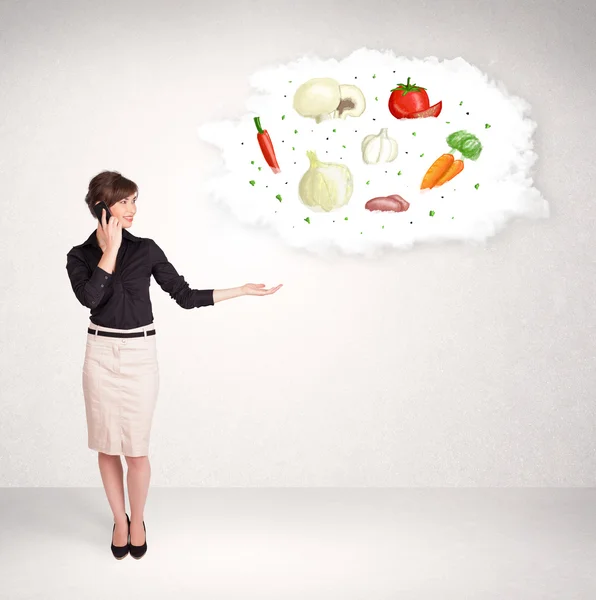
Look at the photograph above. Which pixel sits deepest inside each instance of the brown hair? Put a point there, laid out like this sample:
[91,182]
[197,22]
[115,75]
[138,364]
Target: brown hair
[109,186]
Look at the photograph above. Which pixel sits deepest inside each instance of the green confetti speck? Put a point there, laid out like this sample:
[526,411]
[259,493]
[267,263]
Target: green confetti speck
[307,220]
[461,102]
[290,81]
[345,218]
[453,217]
[334,130]
[432,213]
[377,98]
[487,126]
[448,122]
[343,146]
[374,76]
[278,197]
[252,182]
[368,182]
[295,131]
[422,155]
[361,233]
[477,186]
[252,162]
[413,133]
[382,226]
[293,148]
[259,168]
[283,117]
[399,172]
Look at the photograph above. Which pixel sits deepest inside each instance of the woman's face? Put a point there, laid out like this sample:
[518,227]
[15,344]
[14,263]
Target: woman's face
[125,210]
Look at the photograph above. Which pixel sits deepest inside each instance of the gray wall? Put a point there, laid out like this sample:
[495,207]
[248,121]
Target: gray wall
[442,366]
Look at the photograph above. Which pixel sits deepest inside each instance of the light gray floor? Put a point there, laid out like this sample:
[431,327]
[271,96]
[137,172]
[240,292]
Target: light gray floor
[366,544]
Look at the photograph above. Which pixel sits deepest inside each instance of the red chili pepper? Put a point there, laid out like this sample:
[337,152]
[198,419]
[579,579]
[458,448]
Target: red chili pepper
[266,146]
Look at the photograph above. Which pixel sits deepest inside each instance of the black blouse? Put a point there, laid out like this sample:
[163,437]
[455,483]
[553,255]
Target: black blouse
[121,299]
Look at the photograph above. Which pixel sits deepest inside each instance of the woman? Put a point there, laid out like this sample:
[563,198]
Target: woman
[110,274]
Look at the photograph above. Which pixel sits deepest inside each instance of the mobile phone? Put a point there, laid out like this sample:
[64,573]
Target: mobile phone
[97,210]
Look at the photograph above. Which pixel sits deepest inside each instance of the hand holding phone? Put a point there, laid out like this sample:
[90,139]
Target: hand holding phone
[109,231]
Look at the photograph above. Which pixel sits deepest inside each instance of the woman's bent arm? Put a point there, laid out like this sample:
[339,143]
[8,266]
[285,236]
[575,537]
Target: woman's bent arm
[89,286]
[108,260]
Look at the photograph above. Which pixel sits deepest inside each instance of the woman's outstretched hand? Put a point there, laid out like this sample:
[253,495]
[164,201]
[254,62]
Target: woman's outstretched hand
[256,289]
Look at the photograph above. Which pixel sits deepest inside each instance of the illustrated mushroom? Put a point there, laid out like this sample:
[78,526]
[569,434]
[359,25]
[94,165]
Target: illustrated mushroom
[352,102]
[324,98]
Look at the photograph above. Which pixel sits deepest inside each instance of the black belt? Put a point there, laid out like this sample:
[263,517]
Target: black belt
[119,335]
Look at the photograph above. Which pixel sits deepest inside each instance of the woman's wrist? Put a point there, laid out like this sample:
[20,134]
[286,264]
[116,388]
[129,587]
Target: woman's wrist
[226,294]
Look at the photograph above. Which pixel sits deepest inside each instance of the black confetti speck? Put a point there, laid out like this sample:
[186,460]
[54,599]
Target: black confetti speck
[242,143]
[326,138]
[411,222]
[406,152]
[467,113]
[374,119]
[286,183]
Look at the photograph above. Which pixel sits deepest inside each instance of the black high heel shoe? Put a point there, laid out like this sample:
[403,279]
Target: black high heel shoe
[138,551]
[120,552]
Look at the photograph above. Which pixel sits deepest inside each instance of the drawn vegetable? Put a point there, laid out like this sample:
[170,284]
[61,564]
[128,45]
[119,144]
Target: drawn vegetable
[436,171]
[324,98]
[352,102]
[266,146]
[317,98]
[456,167]
[393,203]
[325,186]
[379,148]
[467,143]
[409,101]
[446,167]
[433,111]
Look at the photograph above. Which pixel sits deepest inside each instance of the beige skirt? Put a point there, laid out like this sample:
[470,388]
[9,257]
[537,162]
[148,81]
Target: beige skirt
[120,385]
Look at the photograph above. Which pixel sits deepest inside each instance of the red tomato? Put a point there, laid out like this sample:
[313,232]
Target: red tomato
[407,98]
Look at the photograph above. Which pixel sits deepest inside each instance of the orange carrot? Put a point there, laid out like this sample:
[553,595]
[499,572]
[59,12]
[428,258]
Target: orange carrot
[456,167]
[436,171]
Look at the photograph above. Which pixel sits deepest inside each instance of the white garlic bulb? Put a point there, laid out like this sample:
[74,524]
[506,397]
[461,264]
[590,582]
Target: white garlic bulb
[325,186]
[379,148]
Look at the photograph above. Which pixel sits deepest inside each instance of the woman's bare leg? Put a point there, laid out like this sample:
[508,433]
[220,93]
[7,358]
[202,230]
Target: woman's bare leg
[137,478]
[112,476]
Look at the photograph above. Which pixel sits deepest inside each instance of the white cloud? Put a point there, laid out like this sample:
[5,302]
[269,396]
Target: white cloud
[461,211]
